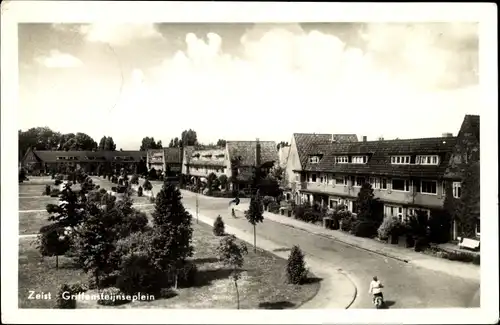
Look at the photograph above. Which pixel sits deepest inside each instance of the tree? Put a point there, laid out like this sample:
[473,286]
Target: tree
[102,143]
[369,214]
[212,183]
[149,143]
[282,144]
[109,144]
[172,243]
[174,143]
[221,143]
[254,215]
[81,141]
[467,212]
[70,212]
[223,181]
[218,228]
[231,255]
[296,270]
[235,165]
[189,138]
[53,241]
[22,175]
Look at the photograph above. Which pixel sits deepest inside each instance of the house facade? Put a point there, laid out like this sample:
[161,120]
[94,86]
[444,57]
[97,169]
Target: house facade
[199,162]
[165,160]
[405,175]
[47,161]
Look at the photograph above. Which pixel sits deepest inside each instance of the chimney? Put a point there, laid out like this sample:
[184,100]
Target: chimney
[333,138]
[364,138]
[257,153]
[447,135]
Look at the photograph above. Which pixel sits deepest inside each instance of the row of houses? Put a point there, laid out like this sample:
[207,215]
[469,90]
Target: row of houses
[327,169]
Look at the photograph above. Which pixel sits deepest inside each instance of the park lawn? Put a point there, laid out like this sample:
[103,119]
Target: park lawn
[39,203]
[263,283]
[40,275]
[31,190]
[31,222]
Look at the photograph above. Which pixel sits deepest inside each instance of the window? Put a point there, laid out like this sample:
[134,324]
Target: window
[314,159]
[428,187]
[383,183]
[400,185]
[341,159]
[359,159]
[341,180]
[297,177]
[313,178]
[457,190]
[321,179]
[333,204]
[359,181]
[375,182]
[427,160]
[400,160]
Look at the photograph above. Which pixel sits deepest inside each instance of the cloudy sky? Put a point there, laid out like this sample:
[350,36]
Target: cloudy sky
[241,81]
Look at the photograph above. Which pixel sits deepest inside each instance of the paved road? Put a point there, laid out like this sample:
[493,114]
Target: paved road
[407,286]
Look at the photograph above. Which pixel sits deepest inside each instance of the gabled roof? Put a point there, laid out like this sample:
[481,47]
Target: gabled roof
[206,157]
[246,150]
[306,141]
[379,153]
[172,155]
[49,156]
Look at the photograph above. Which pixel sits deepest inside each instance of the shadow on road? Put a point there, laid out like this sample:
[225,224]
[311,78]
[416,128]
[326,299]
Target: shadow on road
[276,305]
[388,303]
[205,277]
[311,280]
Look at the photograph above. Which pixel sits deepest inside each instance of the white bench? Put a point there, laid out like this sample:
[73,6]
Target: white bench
[469,243]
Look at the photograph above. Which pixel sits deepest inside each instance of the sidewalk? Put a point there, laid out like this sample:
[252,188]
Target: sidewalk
[336,289]
[454,268]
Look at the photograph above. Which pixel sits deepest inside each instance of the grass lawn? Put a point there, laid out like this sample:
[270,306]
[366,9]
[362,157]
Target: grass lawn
[31,222]
[39,203]
[263,283]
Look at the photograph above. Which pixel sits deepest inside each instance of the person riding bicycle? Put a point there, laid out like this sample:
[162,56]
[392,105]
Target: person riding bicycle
[376,288]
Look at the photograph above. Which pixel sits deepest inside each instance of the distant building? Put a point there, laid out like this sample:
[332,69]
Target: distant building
[165,159]
[46,161]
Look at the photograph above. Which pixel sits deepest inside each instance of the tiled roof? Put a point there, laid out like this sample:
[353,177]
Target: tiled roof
[205,157]
[306,141]
[246,150]
[379,153]
[49,156]
[172,155]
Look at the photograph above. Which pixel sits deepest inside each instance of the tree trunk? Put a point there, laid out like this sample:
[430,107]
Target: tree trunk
[254,240]
[57,261]
[237,294]
[175,282]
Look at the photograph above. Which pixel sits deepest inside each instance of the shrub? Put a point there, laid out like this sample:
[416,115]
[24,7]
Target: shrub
[139,191]
[121,189]
[313,216]
[266,200]
[105,281]
[47,190]
[152,199]
[120,181]
[222,194]
[347,219]
[97,187]
[274,207]
[147,186]
[166,293]
[364,228]
[114,189]
[78,287]
[296,266]
[390,226]
[186,275]
[421,244]
[134,179]
[112,297]
[462,257]
[299,211]
[63,303]
[53,242]
[138,274]
[242,194]
[57,182]
[218,227]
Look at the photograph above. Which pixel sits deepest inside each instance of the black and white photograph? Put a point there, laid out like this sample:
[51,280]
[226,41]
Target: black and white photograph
[302,170]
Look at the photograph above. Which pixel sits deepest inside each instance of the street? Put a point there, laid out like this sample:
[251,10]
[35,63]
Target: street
[406,286]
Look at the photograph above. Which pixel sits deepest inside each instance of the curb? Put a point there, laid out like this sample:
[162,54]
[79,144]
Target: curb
[351,301]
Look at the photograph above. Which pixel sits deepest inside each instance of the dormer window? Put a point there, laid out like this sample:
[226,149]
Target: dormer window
[427,160]
[359,159]
[314,159]
[400,160]
[341,159]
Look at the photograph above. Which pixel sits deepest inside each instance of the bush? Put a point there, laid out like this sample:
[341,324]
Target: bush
[114,189]
[222,194]
[65,303]
[134,179]
[57,182]
[138,274]
[105,281]
[421,244]
[218,228]
[166,293]
[347,219]
[152,199]
[299,211]
[78,287]
[364,228]
[121,189]
[147,186]
[462,257]
[390,226]
[274,207]
[139,191]
[186,275]
[114,297]
[266,200]
[242,194]
[296,266]
[97,187]
[47,190]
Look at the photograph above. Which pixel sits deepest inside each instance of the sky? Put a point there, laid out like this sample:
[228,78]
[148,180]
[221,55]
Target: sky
[247,81]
